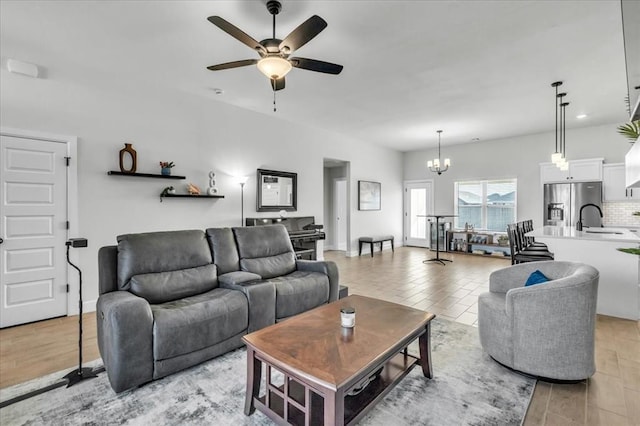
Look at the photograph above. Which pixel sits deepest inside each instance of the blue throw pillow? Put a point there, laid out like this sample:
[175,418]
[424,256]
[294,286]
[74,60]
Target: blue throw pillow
[536,277]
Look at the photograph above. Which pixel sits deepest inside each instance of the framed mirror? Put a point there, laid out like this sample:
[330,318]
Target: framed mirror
[276,191]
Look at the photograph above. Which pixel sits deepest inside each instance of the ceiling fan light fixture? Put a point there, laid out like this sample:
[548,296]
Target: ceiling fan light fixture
[274,67]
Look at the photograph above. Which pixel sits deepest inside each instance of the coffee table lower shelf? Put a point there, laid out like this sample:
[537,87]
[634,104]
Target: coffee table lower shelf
[355,406]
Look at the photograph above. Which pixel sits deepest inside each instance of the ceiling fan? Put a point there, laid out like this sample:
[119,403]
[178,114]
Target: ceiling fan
[274,53]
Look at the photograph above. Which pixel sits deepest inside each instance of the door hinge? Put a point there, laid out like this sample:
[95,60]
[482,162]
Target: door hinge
[68,225]
[67,288]
[68,160]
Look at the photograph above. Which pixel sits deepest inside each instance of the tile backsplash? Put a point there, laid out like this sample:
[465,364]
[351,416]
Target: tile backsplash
[620,213]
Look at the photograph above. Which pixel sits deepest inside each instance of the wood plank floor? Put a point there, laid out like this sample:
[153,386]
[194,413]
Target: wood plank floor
[610,397]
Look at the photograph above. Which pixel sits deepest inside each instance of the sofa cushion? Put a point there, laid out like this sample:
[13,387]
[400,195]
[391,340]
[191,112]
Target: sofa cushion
[224,249]
[160,287]
[270,267]
[262,241]
[160,252]
[193,323]
[299,292]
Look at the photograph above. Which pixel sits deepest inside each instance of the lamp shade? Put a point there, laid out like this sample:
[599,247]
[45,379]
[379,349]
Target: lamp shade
[274,66]
[429,163]
[447,162]
[556,158]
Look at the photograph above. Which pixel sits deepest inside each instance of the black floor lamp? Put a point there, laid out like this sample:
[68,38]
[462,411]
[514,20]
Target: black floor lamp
[80,373]
[242,181]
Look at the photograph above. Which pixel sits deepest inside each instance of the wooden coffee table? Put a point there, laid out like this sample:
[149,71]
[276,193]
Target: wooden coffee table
[326,367]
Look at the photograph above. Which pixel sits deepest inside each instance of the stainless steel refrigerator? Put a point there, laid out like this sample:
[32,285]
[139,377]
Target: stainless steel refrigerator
[562,203]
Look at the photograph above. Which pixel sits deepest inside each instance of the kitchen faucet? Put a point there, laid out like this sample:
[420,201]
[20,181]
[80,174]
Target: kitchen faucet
[579,224]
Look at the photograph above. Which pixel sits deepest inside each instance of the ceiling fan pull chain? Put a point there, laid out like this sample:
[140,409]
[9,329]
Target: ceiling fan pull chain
[274,101]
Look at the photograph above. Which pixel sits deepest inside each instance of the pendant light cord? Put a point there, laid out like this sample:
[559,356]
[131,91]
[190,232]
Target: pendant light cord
[556,99]
[564,128]
[556,84]
[560,97]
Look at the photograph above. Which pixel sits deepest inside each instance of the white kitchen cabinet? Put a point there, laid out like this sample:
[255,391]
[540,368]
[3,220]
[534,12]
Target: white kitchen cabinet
[589,170]
[632,164]
[613,184]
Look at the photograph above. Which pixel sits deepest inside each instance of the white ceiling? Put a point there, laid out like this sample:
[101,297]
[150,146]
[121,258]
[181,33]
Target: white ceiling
[475,69]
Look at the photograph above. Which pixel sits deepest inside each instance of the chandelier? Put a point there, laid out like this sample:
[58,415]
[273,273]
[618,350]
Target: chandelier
[435,164]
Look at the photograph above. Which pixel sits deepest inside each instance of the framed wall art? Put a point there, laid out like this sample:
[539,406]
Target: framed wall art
[277,191]
[368,195]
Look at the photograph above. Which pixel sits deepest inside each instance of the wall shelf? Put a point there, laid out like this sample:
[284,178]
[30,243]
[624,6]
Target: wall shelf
[188,196]
[148,175]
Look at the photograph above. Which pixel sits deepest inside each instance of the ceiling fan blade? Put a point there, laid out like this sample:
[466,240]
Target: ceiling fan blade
[234,64]
[302,34]
[315,65]
[237,33]
[277,84]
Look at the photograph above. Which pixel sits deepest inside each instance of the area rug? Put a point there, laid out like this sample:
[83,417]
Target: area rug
[468,388]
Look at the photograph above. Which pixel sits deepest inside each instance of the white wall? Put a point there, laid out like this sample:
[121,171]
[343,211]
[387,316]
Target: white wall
[199,135]
[517,157]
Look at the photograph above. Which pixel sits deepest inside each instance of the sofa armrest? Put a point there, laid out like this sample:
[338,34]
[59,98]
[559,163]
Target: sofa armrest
[515,276]
[236,278]
[261,296]
[329,268]
[107,267]
[561,313]
[125,339]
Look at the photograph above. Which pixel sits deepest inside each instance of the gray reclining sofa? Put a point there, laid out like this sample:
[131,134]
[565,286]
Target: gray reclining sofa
[170,300]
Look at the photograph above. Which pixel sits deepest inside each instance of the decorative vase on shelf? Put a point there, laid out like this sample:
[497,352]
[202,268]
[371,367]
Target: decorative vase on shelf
[166,171]
[128,153]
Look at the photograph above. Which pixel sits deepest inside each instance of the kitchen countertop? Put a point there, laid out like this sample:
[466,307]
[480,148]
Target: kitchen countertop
[591,233]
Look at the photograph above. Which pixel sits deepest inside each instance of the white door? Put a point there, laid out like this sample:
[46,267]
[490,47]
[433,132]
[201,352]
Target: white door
[418,202]
[340,213]
[33,192]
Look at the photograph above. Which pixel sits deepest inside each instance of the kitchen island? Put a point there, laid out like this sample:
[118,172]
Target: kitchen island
[619,284]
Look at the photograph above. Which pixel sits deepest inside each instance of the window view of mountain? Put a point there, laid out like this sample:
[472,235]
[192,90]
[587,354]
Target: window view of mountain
[491,212]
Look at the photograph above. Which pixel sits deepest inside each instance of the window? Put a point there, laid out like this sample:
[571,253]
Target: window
[486,204]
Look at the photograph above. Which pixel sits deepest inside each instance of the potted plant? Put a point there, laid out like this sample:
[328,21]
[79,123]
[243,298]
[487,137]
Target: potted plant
[630,130]
[166,167]
[503,240]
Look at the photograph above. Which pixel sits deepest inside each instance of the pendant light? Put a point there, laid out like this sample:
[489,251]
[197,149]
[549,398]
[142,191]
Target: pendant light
[557,154]
[435,165]
[564,166]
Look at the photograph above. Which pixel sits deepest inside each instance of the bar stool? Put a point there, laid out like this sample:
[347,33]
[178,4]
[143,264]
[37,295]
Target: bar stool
[520,254]
[527,226]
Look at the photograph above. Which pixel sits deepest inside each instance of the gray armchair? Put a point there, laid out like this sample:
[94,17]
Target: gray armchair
[545,330]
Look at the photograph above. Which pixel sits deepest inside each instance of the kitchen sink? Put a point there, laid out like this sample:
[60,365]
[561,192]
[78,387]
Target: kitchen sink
[593,231]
